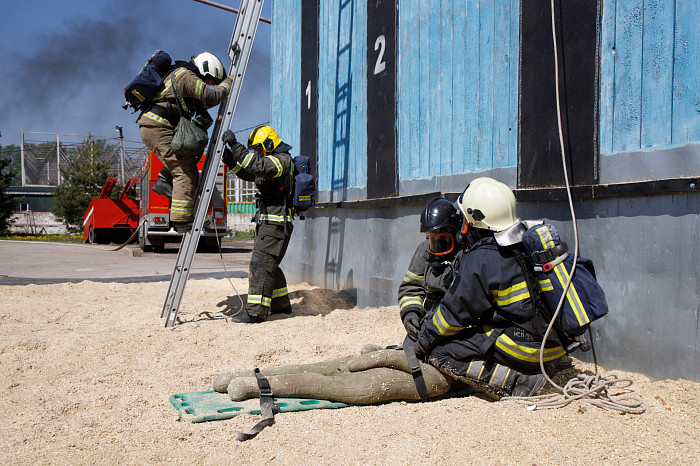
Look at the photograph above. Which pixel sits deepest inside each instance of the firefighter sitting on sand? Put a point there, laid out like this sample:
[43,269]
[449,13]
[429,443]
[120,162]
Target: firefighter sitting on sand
[480,333]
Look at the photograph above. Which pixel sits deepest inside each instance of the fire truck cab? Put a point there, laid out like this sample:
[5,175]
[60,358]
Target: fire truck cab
[155,210]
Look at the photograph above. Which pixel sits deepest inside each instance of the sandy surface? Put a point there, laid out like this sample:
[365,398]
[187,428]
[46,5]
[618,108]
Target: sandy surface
[86,370]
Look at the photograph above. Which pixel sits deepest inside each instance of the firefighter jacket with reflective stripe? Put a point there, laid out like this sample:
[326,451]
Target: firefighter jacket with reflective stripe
[165,111]
[272,175]
[489,289]
[422,281]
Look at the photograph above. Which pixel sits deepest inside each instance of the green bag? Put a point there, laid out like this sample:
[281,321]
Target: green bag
[188,139]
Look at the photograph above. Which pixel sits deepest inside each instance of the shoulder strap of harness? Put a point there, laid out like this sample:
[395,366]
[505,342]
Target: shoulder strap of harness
[542,314]
[268,408]
[416,372]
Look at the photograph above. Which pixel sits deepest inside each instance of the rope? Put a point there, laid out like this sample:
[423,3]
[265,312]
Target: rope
[592,389]
[223,263]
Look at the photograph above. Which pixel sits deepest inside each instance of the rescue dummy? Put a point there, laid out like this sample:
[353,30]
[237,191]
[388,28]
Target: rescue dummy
[377,374]
[374,376]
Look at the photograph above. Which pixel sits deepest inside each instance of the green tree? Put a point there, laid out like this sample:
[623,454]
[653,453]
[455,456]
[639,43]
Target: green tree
[12,152]
[7,203]
[83,179]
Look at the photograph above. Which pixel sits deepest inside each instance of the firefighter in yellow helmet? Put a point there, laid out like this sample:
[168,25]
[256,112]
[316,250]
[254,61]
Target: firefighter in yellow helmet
[267,162]
[202,83]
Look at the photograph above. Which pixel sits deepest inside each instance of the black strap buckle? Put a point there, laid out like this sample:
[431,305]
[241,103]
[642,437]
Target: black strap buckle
[414,367]
[268,408]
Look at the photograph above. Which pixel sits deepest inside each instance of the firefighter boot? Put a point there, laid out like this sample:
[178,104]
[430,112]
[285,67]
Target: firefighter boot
[498,381]
[182,227]
[163,187]
[529,385]
[245,318]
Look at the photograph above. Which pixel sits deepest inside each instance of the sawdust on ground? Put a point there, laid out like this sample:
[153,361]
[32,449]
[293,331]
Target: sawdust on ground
[86,371]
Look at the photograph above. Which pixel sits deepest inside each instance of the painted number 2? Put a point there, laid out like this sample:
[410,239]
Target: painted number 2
[380,44]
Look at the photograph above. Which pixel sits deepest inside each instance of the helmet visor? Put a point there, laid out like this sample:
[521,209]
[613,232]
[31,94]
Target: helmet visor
[441,243]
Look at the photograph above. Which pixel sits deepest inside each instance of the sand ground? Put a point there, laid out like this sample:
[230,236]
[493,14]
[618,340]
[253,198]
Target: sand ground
[86,370]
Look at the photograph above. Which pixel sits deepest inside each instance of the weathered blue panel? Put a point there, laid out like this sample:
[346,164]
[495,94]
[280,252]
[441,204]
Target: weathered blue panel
[285,80]
[422,87]
[657,72]
[471,158]
[408,127]
[457,87]
[445,77]
[686,73]
[628,80]
[485,107]
[342,116]
[650,68]
[505,88]
[607,73]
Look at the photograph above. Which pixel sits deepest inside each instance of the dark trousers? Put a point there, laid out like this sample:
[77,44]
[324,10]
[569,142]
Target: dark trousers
[267,285]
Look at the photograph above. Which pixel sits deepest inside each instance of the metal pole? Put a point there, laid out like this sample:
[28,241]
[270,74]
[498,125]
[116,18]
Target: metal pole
[121,138]
[21,157]
[231,9]
[58,160]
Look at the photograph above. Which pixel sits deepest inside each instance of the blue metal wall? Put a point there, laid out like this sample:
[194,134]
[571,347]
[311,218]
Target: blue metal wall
[457,87]
[650,87]
[285,79]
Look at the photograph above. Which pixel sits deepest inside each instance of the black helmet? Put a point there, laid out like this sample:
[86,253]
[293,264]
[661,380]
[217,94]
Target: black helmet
[440,221]
[440,214]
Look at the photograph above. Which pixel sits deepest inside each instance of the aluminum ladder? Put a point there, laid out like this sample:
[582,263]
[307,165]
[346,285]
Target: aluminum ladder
[239,53]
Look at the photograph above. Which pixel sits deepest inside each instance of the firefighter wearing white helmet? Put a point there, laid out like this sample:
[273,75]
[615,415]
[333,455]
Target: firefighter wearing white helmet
[488,206]
[484,331]
[201,84]
[267,162]
[209,67]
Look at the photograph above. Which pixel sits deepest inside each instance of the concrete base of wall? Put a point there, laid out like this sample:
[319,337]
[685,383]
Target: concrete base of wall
[239,222]
[37,223]
[47,223]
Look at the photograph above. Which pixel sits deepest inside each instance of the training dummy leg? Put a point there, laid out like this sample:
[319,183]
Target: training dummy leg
[369,378]
[328,367]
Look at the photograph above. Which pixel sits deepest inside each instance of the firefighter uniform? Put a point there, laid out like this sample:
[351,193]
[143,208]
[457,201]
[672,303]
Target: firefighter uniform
[157,126]
[423,285]
[272,174]
[485,329]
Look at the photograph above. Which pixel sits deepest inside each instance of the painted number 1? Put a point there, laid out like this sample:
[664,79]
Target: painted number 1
[308,95]
[380,44]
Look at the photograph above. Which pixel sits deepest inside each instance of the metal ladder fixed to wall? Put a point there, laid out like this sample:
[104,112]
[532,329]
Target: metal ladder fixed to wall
[239,52]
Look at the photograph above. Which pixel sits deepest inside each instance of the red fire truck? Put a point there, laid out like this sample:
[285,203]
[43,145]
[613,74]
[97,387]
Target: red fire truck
[155,210]
[107,219]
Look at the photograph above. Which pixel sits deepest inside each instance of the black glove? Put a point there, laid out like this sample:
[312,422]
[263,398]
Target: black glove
[227,158]
[411,321]
[229,138]
[420,350]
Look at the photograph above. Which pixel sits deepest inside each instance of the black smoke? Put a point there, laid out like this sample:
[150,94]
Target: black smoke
[72,80]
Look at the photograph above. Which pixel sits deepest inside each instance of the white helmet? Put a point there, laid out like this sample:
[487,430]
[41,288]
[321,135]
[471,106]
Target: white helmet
[209,66]
[488,204]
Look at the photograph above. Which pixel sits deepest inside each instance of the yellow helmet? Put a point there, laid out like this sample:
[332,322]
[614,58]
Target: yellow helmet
[265,136]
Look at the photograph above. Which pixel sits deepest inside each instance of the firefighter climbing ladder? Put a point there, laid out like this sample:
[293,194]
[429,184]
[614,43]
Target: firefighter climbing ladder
[239,53]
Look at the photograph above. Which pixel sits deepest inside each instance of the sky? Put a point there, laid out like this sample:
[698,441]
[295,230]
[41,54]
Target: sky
[65,63]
